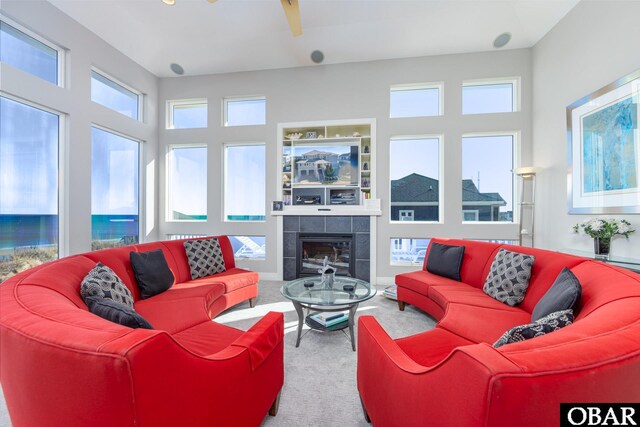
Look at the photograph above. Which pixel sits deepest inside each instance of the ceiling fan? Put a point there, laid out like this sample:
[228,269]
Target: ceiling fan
[291,10]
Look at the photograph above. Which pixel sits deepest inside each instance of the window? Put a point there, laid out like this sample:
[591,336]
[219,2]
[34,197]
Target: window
[114,190]
[415,178]
[29,53]
[489,97]
[487,183]
[244,182]
[245,111]
[105,91]
[248,247]
[416,100]
[187,114]
[187,184]
[408,251]
[29,139]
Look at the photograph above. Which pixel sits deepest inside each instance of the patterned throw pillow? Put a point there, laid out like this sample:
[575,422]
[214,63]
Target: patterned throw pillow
[205,257]
[102,282]
[508,277]
[547,324]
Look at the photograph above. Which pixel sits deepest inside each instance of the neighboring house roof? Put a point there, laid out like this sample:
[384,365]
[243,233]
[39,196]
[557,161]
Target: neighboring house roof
[419,188]
[318,153]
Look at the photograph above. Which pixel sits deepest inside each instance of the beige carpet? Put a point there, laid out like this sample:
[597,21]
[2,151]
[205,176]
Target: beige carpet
[320,375]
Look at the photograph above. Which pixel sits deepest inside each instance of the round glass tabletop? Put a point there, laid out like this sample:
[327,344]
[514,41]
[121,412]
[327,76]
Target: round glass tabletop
[345,291]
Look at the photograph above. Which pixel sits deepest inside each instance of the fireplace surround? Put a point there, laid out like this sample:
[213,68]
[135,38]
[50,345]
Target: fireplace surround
[314,248]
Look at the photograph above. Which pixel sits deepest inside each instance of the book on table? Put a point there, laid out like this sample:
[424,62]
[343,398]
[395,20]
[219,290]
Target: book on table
[328,319]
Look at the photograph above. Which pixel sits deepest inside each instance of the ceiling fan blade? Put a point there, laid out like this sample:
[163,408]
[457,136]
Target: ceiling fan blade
[292,10]
[212,1]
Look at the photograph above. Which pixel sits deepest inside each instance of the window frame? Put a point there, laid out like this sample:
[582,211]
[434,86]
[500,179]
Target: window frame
[419,86]
[141,180]
[170,148]
[139,95]
[515,162]
[172,103]
[225,104]
[63,185]
[61,57]
[224,182]
[515,93]
[440,138]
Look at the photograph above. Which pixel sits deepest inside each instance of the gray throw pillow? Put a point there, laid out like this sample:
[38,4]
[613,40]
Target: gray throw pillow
[445,260]
[116,312]
[547,324]
[564,294]
[205,257]
[103,282]
[508,278]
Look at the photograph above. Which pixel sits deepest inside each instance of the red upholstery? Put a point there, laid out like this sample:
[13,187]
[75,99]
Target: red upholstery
[62,365]
[453,376]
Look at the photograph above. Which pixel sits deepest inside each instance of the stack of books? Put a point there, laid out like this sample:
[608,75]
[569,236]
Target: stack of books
[391,292]
[328,319]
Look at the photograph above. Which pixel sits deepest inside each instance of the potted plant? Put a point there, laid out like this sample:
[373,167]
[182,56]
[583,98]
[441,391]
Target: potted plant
[603,230]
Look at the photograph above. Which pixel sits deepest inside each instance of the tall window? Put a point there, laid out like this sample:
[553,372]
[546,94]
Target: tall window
[244,182]
[114,190]
[106,91]
[28,54]
[487,180]
[245,111]
[248,247]
[187,188]
[415,179]
[489,97]
[187,114]
[29,139]
[415,100]
[408,251]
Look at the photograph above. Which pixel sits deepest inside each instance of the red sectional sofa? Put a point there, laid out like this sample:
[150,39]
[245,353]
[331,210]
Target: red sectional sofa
[62,365]
[452,375]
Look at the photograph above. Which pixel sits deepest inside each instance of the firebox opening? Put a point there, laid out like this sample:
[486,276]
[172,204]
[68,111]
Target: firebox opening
[337,248]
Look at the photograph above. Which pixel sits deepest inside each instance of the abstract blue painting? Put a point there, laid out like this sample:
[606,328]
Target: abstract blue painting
[609,148]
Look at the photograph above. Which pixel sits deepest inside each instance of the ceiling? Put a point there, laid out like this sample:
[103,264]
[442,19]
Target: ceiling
[242,35]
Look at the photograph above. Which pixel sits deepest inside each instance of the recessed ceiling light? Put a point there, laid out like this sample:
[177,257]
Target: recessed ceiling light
[501,40]
[169,2]
[317,56]
[177,68]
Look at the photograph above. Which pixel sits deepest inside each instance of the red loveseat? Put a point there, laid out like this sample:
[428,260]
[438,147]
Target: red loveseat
[452,375]
[62,365]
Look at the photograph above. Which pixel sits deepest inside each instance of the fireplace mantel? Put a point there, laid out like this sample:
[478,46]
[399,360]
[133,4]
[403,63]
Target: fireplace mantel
[327,211]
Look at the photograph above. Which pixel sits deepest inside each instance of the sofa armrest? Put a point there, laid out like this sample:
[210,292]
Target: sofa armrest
[262,338]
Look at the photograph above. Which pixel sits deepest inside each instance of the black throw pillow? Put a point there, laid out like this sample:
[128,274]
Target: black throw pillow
[116,312]
[152,272]
[546,325]
[445,260]
[564,294]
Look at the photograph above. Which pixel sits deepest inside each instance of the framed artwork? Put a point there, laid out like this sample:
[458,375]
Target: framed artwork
[604,150]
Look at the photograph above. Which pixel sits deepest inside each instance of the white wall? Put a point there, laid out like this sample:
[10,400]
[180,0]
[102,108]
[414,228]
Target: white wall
[349,91]
[84,50]
[594,45]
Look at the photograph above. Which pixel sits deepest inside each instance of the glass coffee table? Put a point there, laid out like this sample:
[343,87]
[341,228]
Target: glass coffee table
[310,294]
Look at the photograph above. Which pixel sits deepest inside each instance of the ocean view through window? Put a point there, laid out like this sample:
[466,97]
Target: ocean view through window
[29,140]
[114,190]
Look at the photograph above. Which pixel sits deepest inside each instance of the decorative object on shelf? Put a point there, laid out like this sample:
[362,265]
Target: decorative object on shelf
[328,274]
[277,205]
[286,181]
[296,135]
[602,231]
[311,135]
[603,142]
[338,135]
[308,200]
[356,135]
[365,150]
[321,136]
[365,166]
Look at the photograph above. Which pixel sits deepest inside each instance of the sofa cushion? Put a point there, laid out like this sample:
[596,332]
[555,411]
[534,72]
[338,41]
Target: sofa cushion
[102,282]
[152,272]
[564,294]
[205,257]
[232,279]
[207,337]
[445,260]
[116,312]
[420,281]
[431,347]
[465,294]
[545,325]
[508,277]
[482,324]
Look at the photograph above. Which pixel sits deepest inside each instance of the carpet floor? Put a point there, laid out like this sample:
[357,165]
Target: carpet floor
[320,375]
